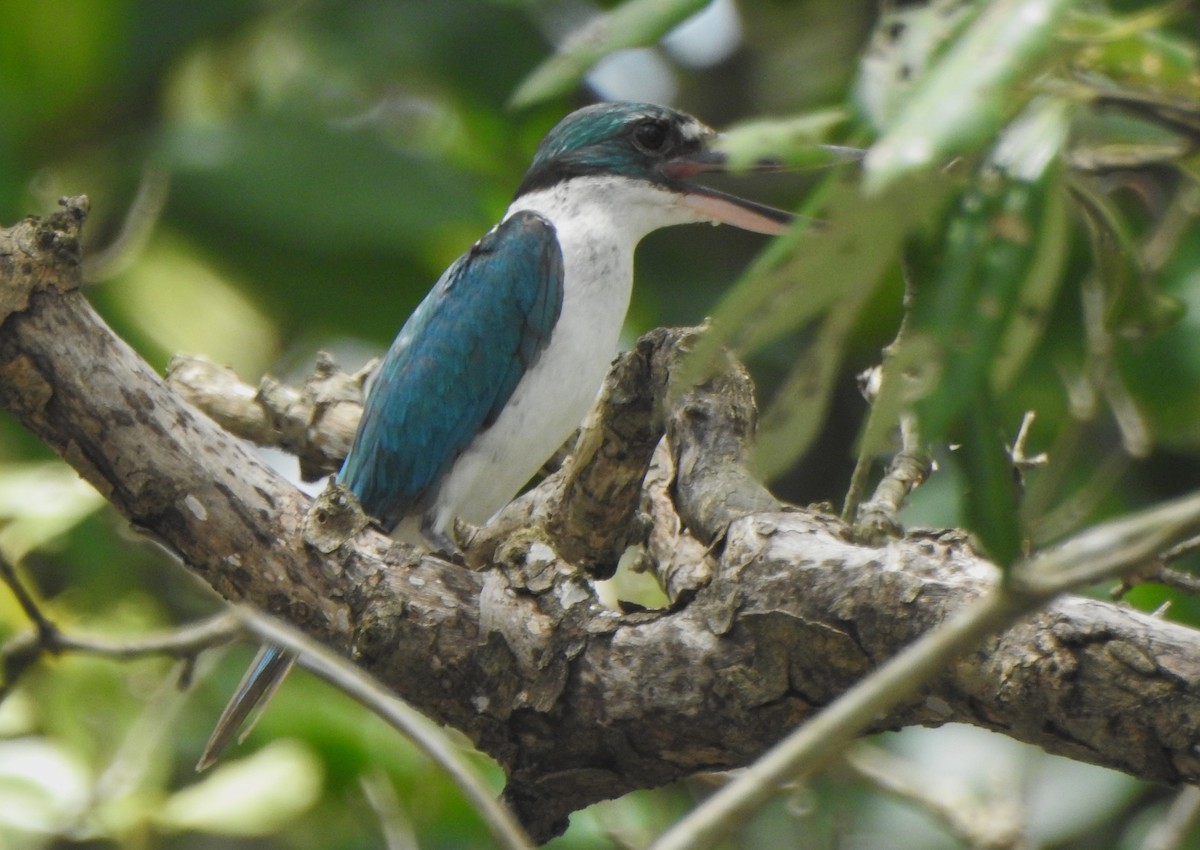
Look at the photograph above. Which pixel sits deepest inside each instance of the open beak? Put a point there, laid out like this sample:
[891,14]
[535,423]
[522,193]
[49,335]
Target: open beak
[720,206]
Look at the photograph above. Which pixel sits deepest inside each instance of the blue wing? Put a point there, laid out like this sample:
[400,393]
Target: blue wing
[454,365]
[447,376]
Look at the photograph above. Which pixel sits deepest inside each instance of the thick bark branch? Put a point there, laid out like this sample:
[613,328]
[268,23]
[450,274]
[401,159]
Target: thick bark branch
[579,703]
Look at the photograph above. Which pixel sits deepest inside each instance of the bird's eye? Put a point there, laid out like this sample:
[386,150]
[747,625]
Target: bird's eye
[651,136]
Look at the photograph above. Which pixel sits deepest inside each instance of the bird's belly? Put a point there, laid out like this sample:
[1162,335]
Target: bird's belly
[547,405]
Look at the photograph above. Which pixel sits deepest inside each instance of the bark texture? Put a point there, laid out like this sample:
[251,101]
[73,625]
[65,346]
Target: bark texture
[777,611]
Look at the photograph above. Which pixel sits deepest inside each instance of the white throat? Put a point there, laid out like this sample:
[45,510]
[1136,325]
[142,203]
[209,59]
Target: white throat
[607,207]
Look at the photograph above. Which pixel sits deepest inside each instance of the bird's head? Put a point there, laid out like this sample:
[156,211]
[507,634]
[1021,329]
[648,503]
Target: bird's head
[652,145]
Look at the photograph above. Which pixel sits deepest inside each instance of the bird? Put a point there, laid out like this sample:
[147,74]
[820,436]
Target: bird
[501,361]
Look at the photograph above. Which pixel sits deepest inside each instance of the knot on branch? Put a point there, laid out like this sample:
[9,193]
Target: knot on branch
[38,253]
[335,517]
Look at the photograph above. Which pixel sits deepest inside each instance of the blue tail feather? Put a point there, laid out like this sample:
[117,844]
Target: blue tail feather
[264,676]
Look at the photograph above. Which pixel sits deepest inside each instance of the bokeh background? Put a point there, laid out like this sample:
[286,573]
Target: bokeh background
[271,178]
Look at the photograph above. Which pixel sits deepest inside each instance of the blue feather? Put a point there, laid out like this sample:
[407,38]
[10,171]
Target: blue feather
[454,366]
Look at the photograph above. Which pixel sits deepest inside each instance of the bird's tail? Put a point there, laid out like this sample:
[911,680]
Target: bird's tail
[264,676]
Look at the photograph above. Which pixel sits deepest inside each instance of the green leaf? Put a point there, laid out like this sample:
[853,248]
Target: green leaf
[970,92]
[1131,50]
[633,24]
[1030,150]
[1036,291]
[791,141]
[40,502]
[992,503]
[204,311]
[996,250]
[42,786]
[250,797]
[905,44]
[304,184]
[809,269]
[1133,306]
[797,412]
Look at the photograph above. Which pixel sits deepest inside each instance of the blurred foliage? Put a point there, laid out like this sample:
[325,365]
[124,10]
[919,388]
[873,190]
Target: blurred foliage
[271,177]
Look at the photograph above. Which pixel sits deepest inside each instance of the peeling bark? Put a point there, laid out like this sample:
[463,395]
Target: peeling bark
[579,703]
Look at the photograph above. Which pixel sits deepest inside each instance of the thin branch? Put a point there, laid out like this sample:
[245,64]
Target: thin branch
[1170,832]
[982,825]
[1021,460]
[184,642]
[393,820]
[22,650]
[428,738]
[136,228]
[1109,549]
[46,631]
[910,467]
[1157,574]
[882,388]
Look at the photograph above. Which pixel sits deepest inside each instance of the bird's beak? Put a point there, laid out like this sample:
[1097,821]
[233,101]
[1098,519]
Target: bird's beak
[719,206]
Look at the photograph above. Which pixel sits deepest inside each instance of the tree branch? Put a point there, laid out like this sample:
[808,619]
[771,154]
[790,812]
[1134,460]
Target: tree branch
[315,422]
[579,703]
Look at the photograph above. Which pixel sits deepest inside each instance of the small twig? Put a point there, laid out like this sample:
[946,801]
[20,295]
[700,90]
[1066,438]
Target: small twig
[46,631]
[184,643]
[986,826]
[1159,573]
[23,650]
[1187,547]
[337,671]
[1110,549]
[911,466]
[882,389]
[136,229]
[381,797]
[1170,832]
[1020,459]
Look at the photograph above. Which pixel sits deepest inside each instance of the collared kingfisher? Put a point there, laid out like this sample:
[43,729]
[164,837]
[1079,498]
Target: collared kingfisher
[503,358]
